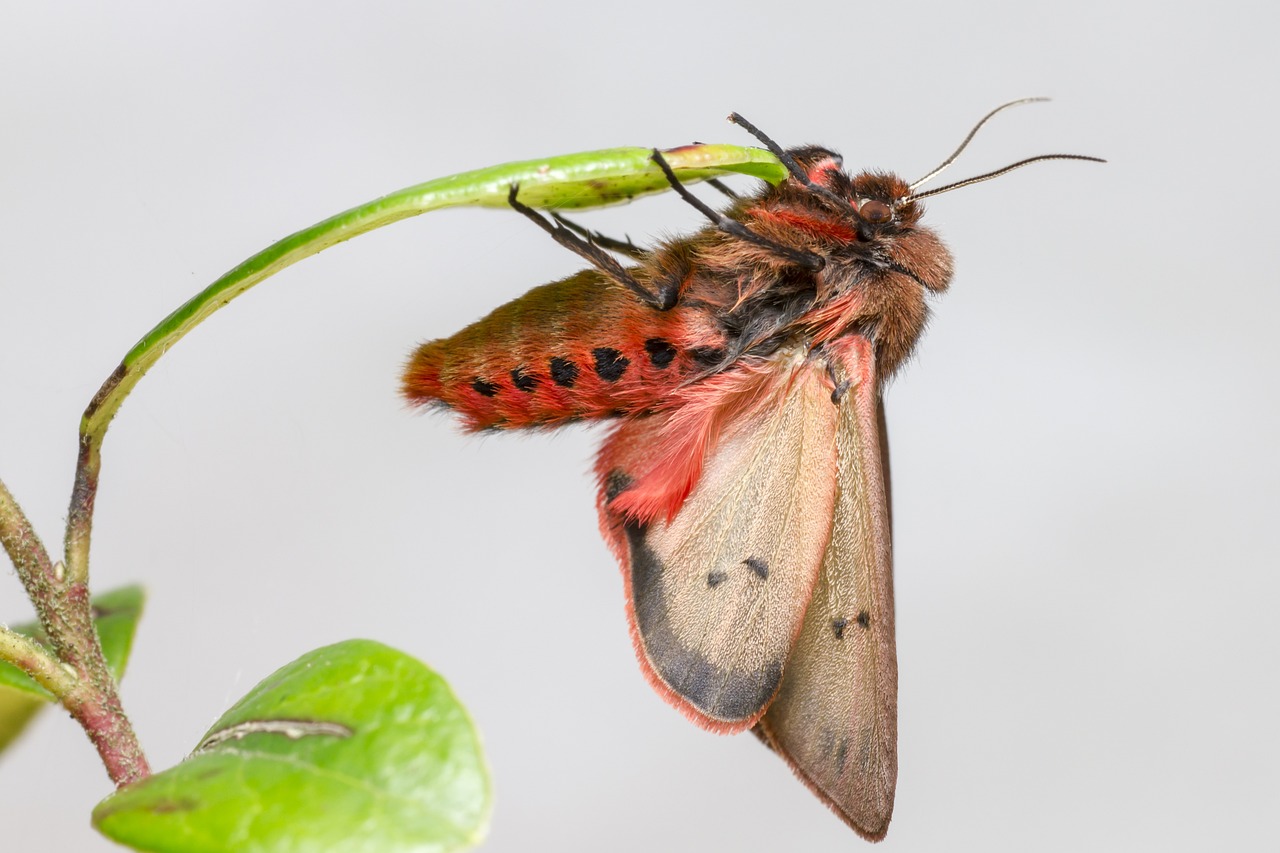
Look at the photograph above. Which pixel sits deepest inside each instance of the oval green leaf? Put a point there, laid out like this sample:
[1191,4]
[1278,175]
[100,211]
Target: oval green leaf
[354,746]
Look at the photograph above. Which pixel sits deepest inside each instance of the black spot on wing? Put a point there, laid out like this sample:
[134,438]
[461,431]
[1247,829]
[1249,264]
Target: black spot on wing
[716,577]
[523,381]
[838,626]
[842,754]
[720,693]
[610,364]
[661,352]
[615,483]
[486,389]
[864,619]
[760,567]
[563,372]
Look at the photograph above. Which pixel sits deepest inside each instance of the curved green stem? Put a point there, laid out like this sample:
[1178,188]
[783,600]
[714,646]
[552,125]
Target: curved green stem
[573,181]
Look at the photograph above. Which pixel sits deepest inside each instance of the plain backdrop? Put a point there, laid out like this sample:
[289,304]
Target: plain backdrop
[1085,458]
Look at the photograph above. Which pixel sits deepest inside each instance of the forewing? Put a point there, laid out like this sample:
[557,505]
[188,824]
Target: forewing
[717,594]
[835,717]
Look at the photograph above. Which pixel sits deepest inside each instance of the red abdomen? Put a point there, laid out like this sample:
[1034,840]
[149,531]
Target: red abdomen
[583,347]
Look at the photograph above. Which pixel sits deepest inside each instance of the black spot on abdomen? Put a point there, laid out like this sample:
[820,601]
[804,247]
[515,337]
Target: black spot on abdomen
[523,381]
[486,389]
[610,364]
[661,352]
[563,372]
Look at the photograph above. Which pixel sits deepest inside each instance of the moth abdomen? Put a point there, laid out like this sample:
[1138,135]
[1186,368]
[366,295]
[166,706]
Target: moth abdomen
[583,347]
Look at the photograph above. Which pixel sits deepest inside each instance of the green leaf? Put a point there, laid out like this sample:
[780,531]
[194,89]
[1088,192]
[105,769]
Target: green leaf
[115,614]
[355,746]
[577,181]
[16,710]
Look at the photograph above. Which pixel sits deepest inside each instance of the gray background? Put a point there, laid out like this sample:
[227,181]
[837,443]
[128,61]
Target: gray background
[1085,460]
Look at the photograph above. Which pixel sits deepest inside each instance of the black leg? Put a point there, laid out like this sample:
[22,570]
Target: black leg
[808,260]
[631,250]
[664,300]
[715,182]
[787,160]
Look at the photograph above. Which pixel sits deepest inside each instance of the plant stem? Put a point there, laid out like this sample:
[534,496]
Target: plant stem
[95,704]
[22,544]
[79,677]
[62,597]
[30,657]
[84,493]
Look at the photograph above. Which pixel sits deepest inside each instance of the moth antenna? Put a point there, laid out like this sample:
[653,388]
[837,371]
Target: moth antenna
[997,173]
[790,162]
[963,145]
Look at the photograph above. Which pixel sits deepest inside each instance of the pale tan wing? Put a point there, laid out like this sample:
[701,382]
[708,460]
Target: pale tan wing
[835,719]
[717,596]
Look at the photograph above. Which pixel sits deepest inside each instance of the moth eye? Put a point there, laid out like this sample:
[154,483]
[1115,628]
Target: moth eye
[875,212]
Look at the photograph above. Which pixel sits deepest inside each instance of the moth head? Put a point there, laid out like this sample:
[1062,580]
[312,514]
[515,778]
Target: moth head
[888,220]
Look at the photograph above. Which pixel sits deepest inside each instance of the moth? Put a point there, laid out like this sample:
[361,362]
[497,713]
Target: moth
[744,484]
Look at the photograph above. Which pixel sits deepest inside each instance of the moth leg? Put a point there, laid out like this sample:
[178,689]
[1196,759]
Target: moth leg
[790,162]
[663,300]
[716,184]
[631,250]
[808,260]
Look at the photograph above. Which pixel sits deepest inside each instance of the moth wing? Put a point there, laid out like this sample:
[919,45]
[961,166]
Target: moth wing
[716,595]
[835,717]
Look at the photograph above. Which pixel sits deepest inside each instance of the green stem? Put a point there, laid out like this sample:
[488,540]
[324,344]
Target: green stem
[30,657]
[571,181]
